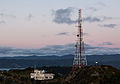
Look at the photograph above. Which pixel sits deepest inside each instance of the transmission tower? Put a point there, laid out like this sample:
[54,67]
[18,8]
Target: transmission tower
[79,58]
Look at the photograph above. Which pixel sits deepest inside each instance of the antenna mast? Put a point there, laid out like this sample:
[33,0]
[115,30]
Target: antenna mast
[79,58]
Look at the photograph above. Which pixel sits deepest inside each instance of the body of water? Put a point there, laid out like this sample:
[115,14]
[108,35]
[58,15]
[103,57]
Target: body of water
[7,69]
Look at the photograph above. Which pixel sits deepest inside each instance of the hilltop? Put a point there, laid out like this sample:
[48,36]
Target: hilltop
[88,75]
[91,75]
[94,75]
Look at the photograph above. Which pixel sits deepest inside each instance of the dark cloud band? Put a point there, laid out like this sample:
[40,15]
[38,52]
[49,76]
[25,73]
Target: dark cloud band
[63,16]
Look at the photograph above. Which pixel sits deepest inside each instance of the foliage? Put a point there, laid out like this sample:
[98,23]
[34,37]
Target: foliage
[87,75]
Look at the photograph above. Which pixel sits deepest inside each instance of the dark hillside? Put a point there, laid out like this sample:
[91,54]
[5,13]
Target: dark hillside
[94,75]
[66,60]
[89,75]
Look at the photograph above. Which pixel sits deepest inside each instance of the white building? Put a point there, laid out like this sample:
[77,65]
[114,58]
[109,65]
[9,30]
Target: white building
[41,75]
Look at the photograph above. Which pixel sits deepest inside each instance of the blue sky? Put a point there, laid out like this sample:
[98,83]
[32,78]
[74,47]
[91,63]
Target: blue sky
[38,23]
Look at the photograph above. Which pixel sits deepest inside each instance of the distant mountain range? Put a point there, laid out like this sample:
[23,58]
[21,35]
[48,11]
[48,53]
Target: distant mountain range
[58,50]
[66,60]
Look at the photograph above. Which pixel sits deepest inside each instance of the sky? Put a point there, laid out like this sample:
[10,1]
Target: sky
[39,24]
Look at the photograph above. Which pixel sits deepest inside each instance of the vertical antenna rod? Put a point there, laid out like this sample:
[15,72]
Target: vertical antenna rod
[80,36]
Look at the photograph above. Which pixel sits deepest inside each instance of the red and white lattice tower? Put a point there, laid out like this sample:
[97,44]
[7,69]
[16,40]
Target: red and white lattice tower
[79,58]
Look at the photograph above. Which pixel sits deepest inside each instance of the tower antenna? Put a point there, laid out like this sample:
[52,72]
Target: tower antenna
[79,58]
